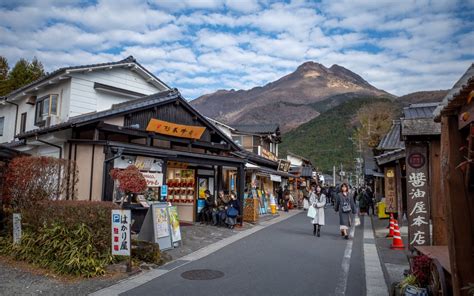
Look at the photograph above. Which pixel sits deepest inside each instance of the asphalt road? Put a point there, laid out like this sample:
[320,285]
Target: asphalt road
[282,259]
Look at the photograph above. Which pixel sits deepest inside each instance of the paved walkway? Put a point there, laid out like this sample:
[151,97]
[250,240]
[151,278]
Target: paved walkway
[278,257]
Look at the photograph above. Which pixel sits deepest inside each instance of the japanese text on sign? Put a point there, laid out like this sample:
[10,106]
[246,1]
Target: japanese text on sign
[121,232]
[173,129]
[418,195]
[16,228]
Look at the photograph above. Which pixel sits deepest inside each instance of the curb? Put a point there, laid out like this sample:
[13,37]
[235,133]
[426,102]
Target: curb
[375,281]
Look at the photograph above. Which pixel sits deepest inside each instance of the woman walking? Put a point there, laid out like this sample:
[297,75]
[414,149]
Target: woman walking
[318,201]
[345,206]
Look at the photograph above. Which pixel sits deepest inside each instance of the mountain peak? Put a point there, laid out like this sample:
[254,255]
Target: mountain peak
[310,66]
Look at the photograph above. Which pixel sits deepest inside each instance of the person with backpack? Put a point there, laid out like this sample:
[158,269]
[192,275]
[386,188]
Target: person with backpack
[346,207]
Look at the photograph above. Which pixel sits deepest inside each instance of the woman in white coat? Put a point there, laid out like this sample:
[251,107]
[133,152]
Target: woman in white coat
[318,201]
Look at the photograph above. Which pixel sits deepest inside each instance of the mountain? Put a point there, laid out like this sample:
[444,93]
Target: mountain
[291,100]
[422,97]
[325,140]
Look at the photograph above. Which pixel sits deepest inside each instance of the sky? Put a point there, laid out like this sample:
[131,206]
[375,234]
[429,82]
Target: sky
[200,46]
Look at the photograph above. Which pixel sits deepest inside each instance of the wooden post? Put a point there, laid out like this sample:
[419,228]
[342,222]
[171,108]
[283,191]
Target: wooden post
[438,201]
[460,207]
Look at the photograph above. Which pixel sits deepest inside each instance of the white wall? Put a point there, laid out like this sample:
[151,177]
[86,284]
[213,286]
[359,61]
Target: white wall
[8,112]
[87,99]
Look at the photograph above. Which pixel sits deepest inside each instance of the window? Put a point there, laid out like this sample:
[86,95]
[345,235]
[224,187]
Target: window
[2,122]
[237,140]
[46,106]
[23,123]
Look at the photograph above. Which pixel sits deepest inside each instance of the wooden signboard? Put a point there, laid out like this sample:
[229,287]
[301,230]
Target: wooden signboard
[390,190]
[418,195]
[176,130]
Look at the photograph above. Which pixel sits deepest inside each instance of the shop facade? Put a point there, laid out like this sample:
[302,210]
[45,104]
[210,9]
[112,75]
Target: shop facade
[179,152]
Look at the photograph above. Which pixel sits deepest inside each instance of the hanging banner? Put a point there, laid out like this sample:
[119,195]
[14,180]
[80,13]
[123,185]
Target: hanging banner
[284,165]
[16,228]
[121,232]
[176,130]
[390,190]
[418,195]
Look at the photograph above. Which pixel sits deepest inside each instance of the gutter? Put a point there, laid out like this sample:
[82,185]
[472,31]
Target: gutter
[53,145]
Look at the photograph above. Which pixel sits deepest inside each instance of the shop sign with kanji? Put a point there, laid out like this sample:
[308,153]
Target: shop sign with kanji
[121,232]
[418,195]
[176,130]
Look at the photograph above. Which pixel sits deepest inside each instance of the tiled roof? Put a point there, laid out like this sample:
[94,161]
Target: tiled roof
[462,85]
[416,111]
[117,109]
[391,140]
[390,156]
[257,128]
[129,59]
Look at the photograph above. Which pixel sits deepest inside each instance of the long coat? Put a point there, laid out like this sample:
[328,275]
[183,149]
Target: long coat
[318,204]
[345,218]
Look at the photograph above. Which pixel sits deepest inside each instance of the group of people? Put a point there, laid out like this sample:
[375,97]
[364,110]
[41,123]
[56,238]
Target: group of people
[220,211]
[344,205]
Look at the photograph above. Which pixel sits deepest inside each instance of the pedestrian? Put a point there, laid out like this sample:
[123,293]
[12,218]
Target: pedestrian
[369,198]
[205,214]
[233,210]
[318,201]
[345,206]
[279,194]
[286,198]
[306,194]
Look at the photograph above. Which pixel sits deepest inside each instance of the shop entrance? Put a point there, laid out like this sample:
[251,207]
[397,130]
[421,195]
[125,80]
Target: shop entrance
[205,181]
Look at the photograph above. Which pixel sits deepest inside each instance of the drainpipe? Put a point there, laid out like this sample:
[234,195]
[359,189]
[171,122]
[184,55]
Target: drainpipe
[16,115]
[53,145]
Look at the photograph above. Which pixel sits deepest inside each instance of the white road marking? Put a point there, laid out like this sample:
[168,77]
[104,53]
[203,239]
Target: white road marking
[346,263]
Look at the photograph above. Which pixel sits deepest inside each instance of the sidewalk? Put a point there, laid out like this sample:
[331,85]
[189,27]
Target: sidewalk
[394,262]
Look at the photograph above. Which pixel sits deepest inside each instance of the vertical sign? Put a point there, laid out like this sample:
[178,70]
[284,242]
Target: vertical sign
[417,188]
[16,228]
[121,232]
[161,222]
[164,190]
[390,190]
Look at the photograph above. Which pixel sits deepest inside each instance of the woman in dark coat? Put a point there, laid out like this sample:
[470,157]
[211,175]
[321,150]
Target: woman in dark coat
[233,203]
[346,207]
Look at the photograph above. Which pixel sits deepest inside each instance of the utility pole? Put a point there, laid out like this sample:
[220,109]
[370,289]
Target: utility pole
[334,175]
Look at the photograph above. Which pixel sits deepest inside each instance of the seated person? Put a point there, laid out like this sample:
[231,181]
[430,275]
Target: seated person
[206,212]
[218,212]
[234,203]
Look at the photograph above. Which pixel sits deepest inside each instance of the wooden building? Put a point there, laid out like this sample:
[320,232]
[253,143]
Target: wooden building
[161,134]
[456,114]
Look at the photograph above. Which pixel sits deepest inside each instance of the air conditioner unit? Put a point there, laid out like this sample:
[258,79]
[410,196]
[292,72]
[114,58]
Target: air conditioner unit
[51,120]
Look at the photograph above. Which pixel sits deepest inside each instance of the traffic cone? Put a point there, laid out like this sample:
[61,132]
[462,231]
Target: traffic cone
[397,243]
[390,233]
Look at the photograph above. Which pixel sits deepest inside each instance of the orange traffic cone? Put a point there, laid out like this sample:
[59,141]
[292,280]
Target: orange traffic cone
[390,233]
[397,243]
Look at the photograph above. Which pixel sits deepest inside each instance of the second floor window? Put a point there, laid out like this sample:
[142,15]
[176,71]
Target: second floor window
[46,106]
[23,123]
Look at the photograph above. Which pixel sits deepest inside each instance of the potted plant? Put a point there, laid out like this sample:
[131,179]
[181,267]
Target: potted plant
[417,281]
[131,182]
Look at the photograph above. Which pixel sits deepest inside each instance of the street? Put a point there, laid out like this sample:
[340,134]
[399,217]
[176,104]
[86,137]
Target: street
[282,259]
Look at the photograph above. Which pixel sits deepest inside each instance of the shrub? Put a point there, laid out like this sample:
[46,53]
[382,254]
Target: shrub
[30,179]
[94,214]
[421,269]
[64,250]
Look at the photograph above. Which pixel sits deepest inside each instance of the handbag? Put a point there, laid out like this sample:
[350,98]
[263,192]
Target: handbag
[311,212]
[346,207]
[232,212]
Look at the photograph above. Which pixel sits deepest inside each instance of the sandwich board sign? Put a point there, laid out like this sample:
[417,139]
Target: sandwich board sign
[156,226]
[174,225]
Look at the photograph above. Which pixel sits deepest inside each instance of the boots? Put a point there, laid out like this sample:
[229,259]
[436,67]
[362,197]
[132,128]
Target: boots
[319,230]
[314,229]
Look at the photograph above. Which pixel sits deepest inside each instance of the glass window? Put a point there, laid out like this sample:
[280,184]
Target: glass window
[23,123]
[54,104]
[237,140]
[45,108]
[2,122]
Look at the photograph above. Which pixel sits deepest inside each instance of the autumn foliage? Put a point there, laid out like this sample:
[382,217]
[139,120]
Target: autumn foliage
[30,179]
[130,179]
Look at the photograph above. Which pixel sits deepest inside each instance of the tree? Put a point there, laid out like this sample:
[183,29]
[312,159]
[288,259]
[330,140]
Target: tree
[374,121]
[22,73]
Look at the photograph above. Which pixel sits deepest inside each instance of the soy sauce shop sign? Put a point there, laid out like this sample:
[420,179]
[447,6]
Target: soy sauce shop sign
[418,195]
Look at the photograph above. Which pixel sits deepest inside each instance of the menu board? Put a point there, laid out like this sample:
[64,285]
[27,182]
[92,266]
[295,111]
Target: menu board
[161,222]
[174,223]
